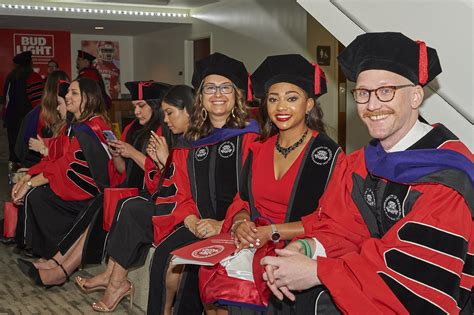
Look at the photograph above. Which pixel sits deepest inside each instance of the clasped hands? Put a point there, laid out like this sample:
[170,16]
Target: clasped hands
[289,270]
[202,228]
[20,189]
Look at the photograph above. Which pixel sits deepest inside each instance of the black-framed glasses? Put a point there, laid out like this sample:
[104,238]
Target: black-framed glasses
[383,93]
[226,88]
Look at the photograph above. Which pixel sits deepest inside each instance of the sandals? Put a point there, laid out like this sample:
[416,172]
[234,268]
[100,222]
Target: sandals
[100,306]
[29,269]
[81,283]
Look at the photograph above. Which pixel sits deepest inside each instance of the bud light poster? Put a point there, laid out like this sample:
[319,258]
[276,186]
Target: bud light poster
[44,46]
[107,61]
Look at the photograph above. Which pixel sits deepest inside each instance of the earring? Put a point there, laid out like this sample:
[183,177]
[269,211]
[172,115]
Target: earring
[203,114]
[232,113]
[306,118]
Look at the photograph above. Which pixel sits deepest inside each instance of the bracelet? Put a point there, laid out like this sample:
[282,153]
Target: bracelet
[236,224]
[304,247]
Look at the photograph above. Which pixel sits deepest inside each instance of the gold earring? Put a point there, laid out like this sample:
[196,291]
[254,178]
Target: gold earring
[232,113]
[203,114]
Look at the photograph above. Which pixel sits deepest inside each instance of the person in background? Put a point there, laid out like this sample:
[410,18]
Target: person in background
[85,68]
[22,90]
[394,234]
[40,123]
[52,66]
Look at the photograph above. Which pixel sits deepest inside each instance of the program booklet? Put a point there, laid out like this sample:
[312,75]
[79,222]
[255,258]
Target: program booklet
[207,252]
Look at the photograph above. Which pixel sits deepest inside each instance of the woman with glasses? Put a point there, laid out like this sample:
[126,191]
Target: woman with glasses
[285,174]
[202,181]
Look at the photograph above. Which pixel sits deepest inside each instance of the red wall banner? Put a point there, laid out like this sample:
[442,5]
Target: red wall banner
[44,45]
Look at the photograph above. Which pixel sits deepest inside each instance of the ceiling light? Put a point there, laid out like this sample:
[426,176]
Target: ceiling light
[99,27]
[91,10]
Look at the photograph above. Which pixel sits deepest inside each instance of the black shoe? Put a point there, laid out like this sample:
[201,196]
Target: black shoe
[7,240]
[26,267]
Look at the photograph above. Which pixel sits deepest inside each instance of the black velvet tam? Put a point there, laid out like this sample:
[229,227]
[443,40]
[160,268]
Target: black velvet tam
[294,69]
[22,58]
[223,65]
[85,55]
[63,87]
[392,52]
[147,90]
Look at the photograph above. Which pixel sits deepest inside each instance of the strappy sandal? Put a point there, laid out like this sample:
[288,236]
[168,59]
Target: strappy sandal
[81,283]
[100,306]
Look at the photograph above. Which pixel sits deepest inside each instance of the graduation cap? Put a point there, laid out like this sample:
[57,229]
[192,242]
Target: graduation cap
[392,52]
[225,66]
[63,87]
[85,55]
[22,58]
[294,69]
[147,90]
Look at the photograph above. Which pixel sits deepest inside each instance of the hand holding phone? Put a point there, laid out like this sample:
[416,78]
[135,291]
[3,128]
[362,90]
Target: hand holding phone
[110,135]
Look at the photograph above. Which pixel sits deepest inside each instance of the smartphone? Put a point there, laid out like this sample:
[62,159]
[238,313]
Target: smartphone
[110,135]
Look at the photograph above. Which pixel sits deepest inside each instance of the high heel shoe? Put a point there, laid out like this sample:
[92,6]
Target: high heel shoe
[100,306]
[29,269]
[81,283]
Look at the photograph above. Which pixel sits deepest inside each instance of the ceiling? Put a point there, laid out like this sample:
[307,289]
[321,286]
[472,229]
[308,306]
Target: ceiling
[111,27]
[83,26]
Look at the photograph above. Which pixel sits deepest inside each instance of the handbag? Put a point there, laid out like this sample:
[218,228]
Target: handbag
[111,198]
[10,219]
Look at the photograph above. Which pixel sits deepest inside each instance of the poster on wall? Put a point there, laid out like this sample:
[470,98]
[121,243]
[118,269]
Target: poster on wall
[44,46]
[107,62]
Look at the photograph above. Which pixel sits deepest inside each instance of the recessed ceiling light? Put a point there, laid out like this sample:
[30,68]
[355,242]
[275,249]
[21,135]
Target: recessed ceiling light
[99,27]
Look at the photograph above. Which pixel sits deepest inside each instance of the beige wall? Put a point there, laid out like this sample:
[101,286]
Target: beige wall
[248,30]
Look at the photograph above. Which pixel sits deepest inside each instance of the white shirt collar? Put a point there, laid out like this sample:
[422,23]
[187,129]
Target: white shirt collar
[418,131]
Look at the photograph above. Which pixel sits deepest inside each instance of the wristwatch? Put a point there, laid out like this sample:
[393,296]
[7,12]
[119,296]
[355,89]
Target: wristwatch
[29,184]
[275,237]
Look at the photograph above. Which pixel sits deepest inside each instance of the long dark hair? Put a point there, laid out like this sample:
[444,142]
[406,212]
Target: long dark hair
[91,94]
[181,97]
[313,121]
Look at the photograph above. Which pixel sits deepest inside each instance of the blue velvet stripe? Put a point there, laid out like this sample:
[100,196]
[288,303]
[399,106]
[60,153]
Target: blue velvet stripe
[221,134]
[410,165]
[86,129]
[32,125]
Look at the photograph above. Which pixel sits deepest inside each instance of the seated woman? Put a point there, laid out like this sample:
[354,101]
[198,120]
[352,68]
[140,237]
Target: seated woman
[131,234]
[134,142]
[54,111]
[65,182]
[41,122]
[204,179]
[283,178]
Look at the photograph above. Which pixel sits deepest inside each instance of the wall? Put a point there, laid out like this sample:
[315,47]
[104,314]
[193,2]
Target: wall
[126,55]
[248,30]
[317,35]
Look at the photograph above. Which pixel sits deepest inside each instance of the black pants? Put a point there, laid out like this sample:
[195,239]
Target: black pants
[13,128]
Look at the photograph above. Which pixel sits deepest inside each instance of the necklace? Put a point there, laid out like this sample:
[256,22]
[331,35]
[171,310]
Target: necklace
[286,151]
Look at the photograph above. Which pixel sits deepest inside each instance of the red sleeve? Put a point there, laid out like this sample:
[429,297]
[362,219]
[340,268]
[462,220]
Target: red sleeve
[152,173]
[90,74]
[174,198]
[337,223]
[56,148]
[34,89]
[422,265]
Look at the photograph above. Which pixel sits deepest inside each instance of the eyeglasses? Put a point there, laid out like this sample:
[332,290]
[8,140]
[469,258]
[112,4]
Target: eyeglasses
[223,89]
[383,93]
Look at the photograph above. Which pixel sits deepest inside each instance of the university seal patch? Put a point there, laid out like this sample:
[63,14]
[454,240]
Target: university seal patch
[392,208]
[321,155]
[201,153]
[226,149]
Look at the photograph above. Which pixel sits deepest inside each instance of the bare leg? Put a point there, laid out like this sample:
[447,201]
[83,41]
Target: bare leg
[69,262]
[117,286]
[213,310]
[173,277]
[75,249]
[222,311]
